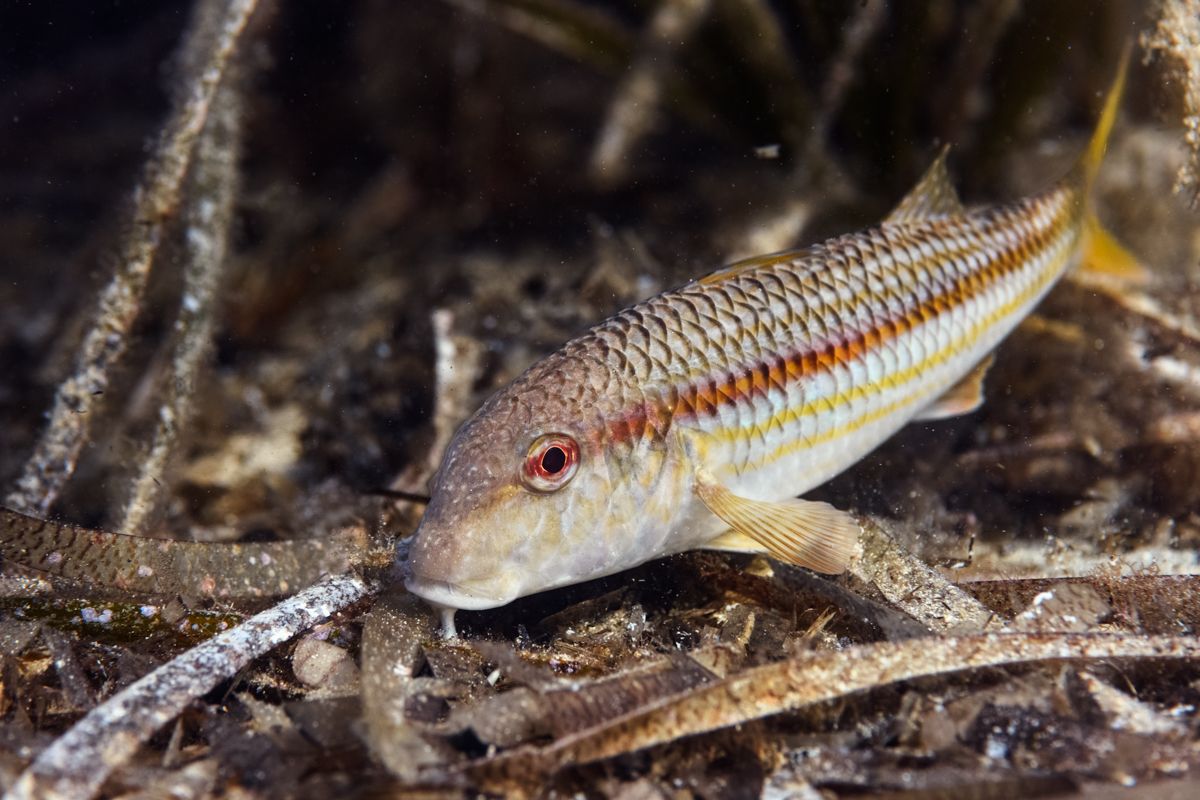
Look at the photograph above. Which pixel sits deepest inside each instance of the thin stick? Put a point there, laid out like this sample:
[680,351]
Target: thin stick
[57,452]
[859,32]
[633,110]
[208,213]
[576,29]
[78,762]
[457,362]
[984,25]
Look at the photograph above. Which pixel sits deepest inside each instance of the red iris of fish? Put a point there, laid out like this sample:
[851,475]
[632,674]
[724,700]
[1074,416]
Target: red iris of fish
[551,462]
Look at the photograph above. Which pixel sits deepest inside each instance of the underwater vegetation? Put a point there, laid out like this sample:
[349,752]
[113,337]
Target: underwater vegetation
[259,261]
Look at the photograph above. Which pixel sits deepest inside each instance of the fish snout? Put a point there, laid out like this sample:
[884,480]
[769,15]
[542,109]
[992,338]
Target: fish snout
[445,574]
[448,594]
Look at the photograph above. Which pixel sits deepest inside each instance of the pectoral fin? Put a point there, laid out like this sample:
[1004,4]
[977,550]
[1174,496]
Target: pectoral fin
[963,397]
[801,532]
[734,542]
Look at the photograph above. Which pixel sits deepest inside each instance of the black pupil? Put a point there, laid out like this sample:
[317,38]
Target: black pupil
[554,460]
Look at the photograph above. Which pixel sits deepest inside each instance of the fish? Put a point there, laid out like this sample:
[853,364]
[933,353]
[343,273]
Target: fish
[696,419]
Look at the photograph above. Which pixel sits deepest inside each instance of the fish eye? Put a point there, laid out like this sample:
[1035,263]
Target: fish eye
[551,462]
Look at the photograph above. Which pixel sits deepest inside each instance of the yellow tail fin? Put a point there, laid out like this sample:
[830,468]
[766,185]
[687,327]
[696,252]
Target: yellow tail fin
[1089,162]
[1104,257]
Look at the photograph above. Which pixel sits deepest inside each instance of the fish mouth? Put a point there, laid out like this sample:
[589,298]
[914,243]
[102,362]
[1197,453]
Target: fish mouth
[447,594]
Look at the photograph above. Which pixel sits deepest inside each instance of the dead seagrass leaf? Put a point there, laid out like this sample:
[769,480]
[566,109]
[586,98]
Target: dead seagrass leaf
[915,587]
[813,678]
[164,566]
[1143,603]
[520,715]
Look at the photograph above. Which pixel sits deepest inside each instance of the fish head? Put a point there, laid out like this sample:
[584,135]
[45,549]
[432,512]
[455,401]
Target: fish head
[515,508]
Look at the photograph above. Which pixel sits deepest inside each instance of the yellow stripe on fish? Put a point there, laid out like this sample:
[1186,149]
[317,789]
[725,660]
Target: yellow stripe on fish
[888,381]
[693,419]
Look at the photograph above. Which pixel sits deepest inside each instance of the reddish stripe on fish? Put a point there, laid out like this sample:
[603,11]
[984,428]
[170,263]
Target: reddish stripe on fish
[704,396]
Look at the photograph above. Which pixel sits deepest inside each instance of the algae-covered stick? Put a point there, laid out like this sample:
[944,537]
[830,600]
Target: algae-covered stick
[693,419]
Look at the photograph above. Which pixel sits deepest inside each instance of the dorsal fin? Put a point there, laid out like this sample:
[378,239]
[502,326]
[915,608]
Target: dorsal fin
[753,262]
[933,196]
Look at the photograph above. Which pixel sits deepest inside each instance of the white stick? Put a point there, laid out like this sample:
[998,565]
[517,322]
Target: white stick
[208,208]
[77,763]
[54,458]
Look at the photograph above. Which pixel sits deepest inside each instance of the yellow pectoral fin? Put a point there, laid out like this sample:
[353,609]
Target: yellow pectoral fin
[801,532]
[734,542]
[963,397]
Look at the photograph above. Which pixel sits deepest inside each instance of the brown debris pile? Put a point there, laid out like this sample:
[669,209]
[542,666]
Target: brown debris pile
[1176,38]
[360,220]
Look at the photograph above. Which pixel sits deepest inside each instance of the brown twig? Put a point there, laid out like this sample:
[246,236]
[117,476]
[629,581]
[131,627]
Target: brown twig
[215,32]
[984,25]
[633,110]
[572,28]
[457,363]
[858,33]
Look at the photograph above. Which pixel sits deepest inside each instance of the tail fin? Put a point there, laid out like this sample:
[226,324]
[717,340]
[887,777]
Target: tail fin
[1103,257]
[1089,162]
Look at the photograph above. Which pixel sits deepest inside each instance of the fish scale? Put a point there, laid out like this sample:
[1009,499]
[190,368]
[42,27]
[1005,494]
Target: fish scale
[678,361]
[694,418]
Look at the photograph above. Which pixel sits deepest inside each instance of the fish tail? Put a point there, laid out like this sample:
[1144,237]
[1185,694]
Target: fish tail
[1102,254]
[1089,163]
